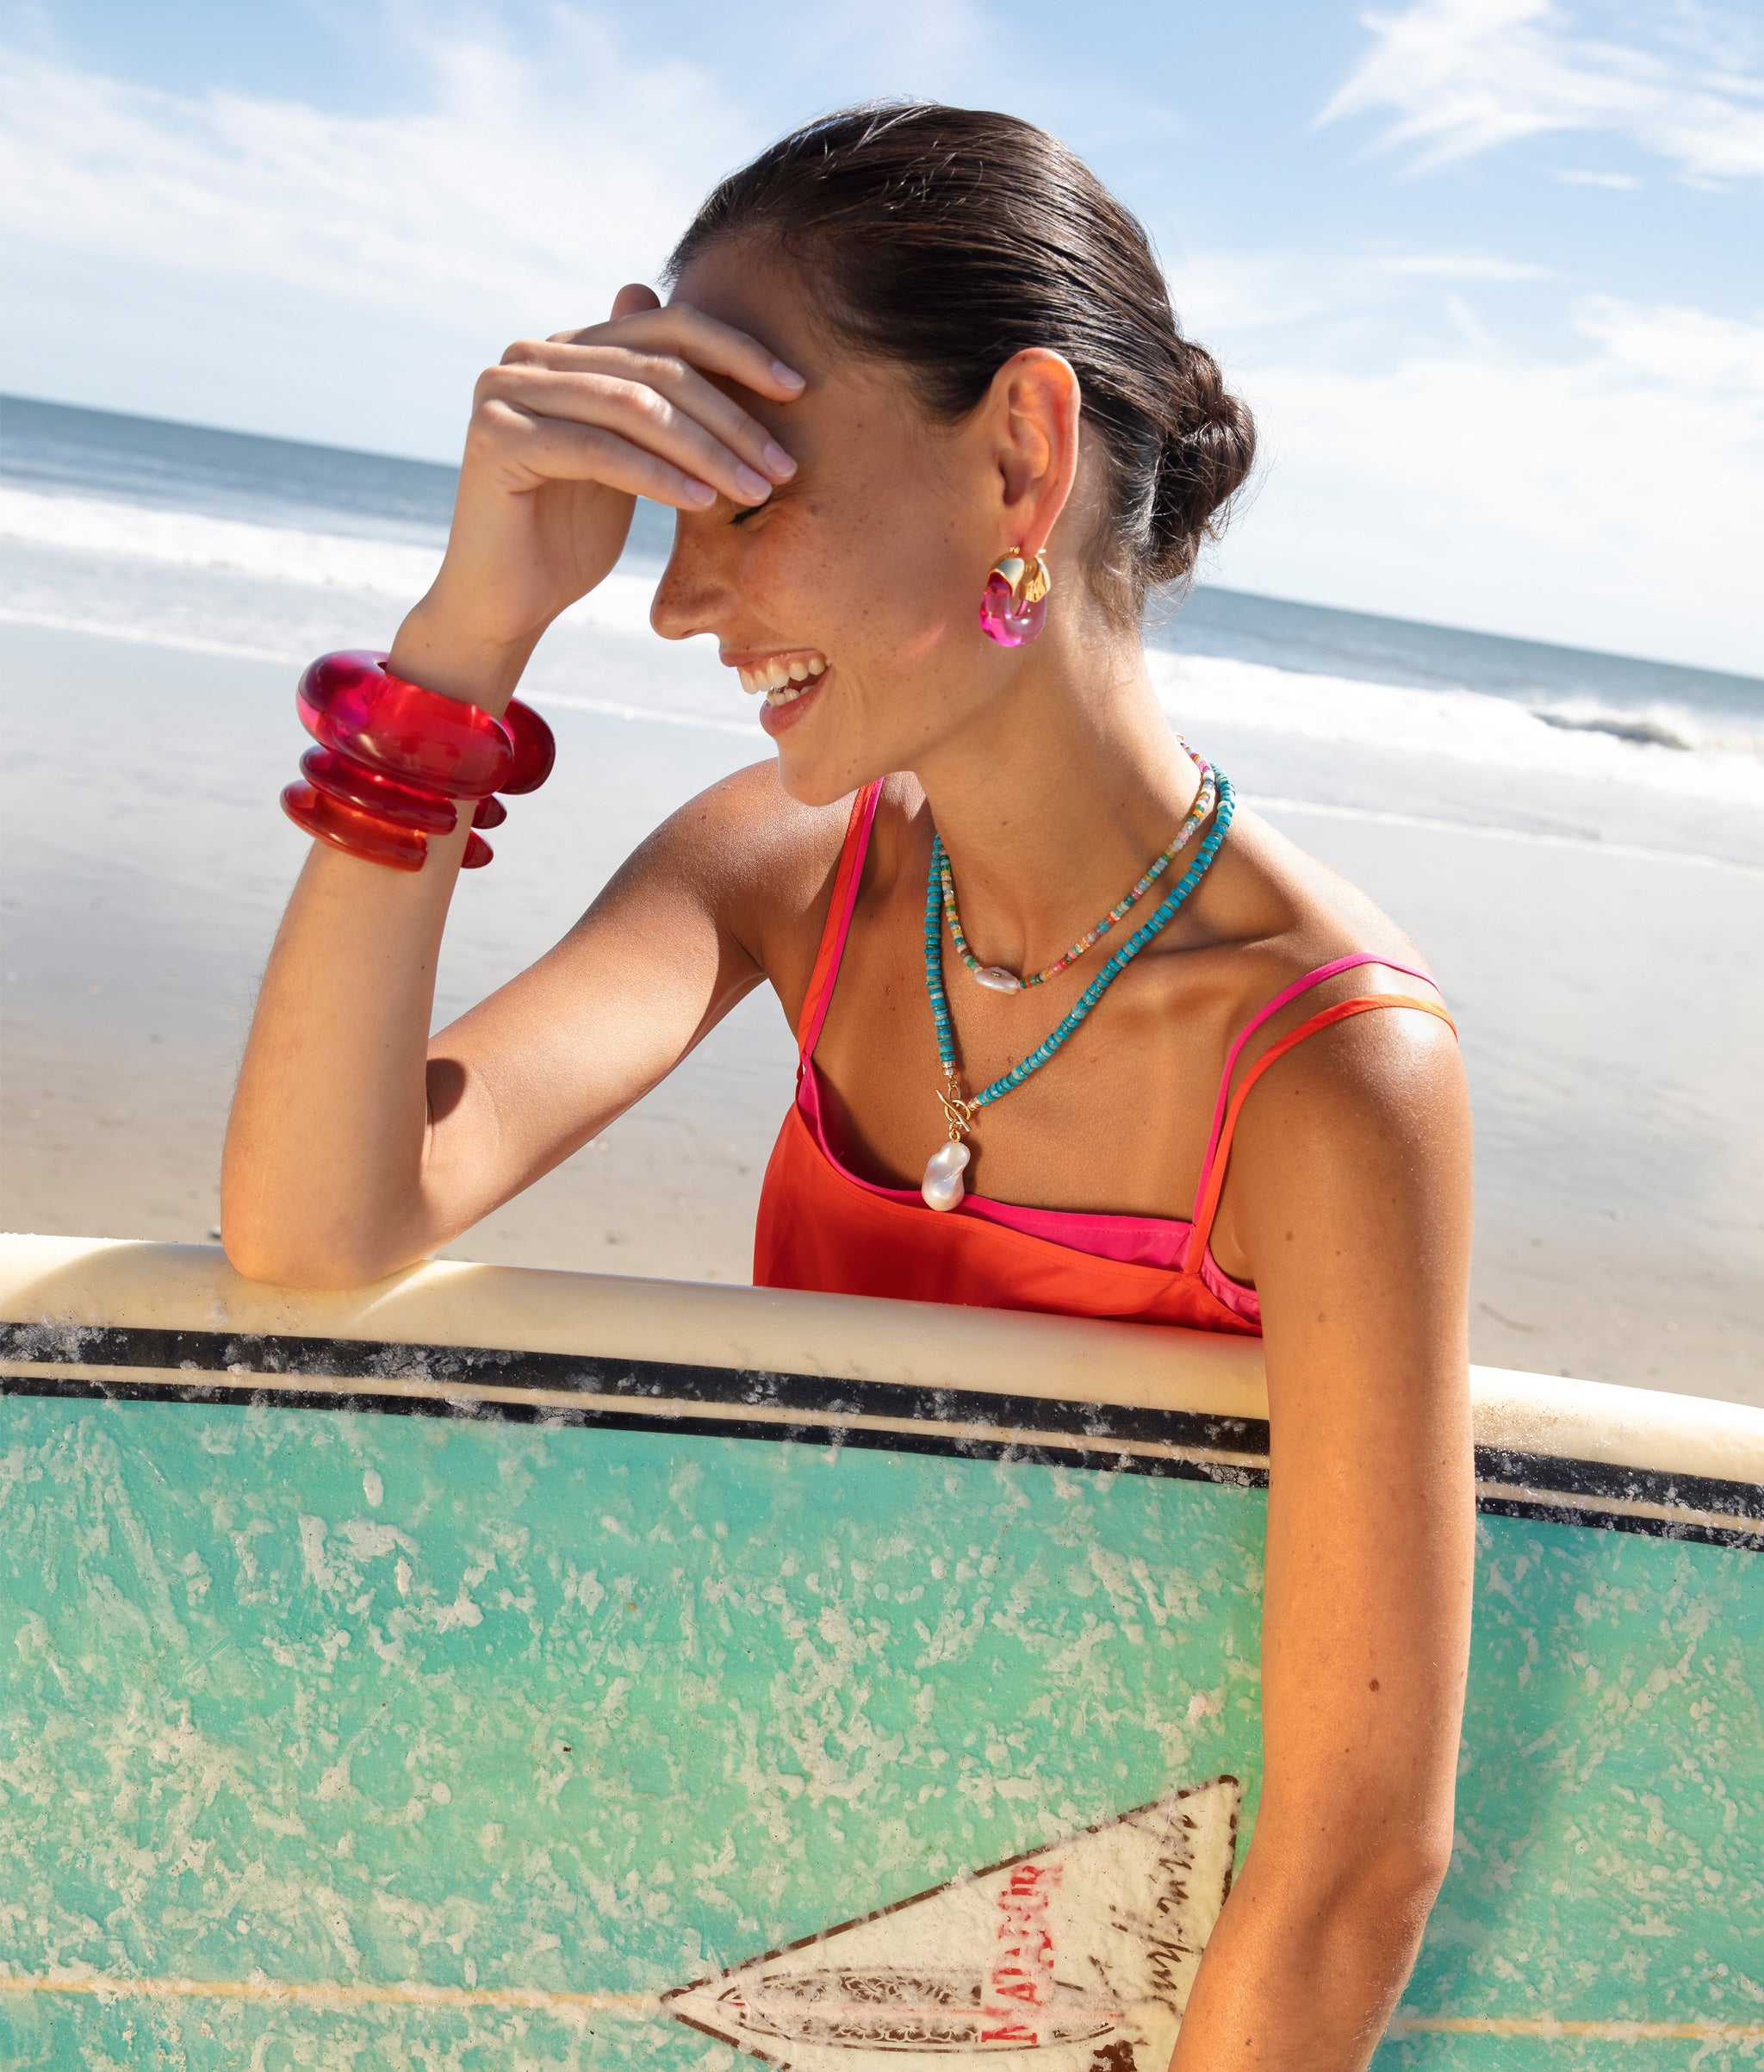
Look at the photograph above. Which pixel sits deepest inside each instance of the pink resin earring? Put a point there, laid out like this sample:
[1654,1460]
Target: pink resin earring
[1013,604]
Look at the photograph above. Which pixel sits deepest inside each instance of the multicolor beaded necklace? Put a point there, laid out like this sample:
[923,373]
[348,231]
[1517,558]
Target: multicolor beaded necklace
[942,1187]
[995,978]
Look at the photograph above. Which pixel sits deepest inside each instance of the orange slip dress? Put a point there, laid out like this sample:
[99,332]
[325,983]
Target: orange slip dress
[821,1227]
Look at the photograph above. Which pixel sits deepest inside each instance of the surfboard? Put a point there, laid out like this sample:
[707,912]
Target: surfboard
[498,1667]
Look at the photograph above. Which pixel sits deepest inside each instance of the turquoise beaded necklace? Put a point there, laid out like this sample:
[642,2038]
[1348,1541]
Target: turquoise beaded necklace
[942,1185]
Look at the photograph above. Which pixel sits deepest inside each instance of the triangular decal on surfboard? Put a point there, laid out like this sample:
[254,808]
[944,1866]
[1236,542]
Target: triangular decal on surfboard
[1077,1958]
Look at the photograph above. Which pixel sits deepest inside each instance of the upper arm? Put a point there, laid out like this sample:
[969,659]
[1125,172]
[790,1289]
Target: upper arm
[684,928]
[1351,1197]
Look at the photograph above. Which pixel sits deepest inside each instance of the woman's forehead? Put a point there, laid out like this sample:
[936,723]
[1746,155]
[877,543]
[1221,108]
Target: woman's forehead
[758,292]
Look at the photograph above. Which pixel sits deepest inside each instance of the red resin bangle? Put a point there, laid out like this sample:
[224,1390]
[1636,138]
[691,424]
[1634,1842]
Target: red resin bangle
[352,830]
[347,701]
[366,835]
[393,757]
[356,784]
[535,748]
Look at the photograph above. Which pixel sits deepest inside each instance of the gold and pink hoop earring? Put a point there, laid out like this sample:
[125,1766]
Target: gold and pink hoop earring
[1013,604]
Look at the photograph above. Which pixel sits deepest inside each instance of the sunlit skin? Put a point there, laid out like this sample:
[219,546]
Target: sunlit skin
[822,514]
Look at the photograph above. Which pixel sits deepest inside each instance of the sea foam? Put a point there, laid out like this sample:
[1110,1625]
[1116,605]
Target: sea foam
[225,585]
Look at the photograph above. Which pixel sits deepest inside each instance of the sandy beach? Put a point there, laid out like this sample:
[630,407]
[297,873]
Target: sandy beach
[1605,997]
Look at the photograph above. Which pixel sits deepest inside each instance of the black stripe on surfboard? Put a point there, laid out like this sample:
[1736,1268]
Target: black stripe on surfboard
[1044,1450]
[595,1374]
[1088,1429]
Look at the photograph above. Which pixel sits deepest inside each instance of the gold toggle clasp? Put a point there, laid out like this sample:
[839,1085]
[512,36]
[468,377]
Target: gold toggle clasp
[957,1112]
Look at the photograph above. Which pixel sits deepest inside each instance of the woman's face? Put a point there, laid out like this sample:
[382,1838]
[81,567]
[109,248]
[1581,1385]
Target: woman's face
[859,579]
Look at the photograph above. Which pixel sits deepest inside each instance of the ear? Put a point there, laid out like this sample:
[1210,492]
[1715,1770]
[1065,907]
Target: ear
[1035,401]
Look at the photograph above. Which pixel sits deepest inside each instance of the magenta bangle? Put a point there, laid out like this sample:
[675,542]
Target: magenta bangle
[393,758]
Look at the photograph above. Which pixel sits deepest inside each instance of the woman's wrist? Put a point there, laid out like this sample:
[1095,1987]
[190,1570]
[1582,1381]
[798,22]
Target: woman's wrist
[452,656]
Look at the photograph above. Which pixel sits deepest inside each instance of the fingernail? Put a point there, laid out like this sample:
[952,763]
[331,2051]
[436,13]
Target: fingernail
[698,493]
[776,459]
[787,376]
[751,484]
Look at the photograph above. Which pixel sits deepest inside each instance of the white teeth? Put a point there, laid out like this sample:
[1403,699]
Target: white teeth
[782,680]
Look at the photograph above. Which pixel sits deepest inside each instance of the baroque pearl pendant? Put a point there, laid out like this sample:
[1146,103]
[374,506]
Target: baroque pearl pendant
[995,978]
[942,1185]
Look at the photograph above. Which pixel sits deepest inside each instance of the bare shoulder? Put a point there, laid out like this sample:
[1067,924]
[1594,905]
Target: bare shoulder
[761,861]
[1371,1105]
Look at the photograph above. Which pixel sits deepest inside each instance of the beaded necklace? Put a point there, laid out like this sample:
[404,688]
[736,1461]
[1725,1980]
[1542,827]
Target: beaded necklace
[995,978]
[942,1185]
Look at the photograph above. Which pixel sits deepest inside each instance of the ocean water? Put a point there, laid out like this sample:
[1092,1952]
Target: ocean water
[224,543]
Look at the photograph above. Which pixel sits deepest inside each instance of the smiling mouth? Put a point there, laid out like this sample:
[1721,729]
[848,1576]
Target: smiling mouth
[782,678]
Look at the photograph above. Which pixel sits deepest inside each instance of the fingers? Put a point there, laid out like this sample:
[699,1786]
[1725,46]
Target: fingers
[688,333]
[633,298]
[638,412]
[583,381]
[548,448]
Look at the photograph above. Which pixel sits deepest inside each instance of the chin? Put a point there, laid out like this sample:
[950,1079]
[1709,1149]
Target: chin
[808,781]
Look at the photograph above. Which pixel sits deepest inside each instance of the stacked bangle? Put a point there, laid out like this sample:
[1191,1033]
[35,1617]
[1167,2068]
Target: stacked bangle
[393,758]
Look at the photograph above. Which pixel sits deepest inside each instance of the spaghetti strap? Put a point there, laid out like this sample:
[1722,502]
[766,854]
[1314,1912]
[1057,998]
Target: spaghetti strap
[1219,1150]
[845,881]
[1284,997]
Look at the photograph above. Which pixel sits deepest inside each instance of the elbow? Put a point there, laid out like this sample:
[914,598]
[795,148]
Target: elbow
[1400,1882]
[276,1233]
[1378,1902]
[282,1252]
[277,1262]
[1369,1902]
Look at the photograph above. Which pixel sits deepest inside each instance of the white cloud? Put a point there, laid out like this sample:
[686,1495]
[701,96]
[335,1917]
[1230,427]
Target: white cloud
[1619,183]
[494,191]
[1487,267]
[1461,76]
[1610,499]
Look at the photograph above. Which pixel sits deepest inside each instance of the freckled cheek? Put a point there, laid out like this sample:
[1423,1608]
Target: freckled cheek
[861,591]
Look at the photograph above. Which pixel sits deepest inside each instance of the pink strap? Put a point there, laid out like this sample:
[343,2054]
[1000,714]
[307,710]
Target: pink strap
[1274,1006]
[849,876]
[1201,1228]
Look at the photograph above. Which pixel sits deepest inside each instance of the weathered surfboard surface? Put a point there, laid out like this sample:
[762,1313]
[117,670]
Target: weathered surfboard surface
[502,1668]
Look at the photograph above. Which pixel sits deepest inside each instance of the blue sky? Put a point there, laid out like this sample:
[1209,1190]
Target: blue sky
[1488,270]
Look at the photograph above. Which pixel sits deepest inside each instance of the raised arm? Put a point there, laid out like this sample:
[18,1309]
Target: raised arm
[355,1146]
[1350,1194]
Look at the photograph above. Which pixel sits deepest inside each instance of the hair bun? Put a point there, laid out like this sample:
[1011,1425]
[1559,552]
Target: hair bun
[1209,448]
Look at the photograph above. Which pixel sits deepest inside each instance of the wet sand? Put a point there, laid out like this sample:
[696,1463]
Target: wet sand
[1608,1003]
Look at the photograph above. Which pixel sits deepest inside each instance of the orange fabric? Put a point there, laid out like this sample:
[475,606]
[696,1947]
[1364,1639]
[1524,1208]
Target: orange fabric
[819,1227]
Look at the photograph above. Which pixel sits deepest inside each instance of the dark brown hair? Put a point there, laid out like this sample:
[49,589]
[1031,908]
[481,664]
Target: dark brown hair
[948,238]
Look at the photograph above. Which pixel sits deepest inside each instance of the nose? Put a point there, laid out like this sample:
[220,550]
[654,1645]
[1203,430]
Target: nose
[693,595]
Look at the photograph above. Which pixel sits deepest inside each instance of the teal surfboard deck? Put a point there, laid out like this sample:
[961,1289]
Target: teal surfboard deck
[526,1670]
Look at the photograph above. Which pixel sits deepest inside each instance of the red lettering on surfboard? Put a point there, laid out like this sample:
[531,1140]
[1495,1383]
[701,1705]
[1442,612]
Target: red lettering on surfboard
[1022,1969]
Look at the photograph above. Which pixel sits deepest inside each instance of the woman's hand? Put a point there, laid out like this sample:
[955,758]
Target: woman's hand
[564,435]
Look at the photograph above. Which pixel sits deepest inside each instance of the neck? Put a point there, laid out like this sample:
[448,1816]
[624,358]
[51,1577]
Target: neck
[1052,800]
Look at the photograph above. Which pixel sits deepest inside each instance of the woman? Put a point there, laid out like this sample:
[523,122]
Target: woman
[917,364]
